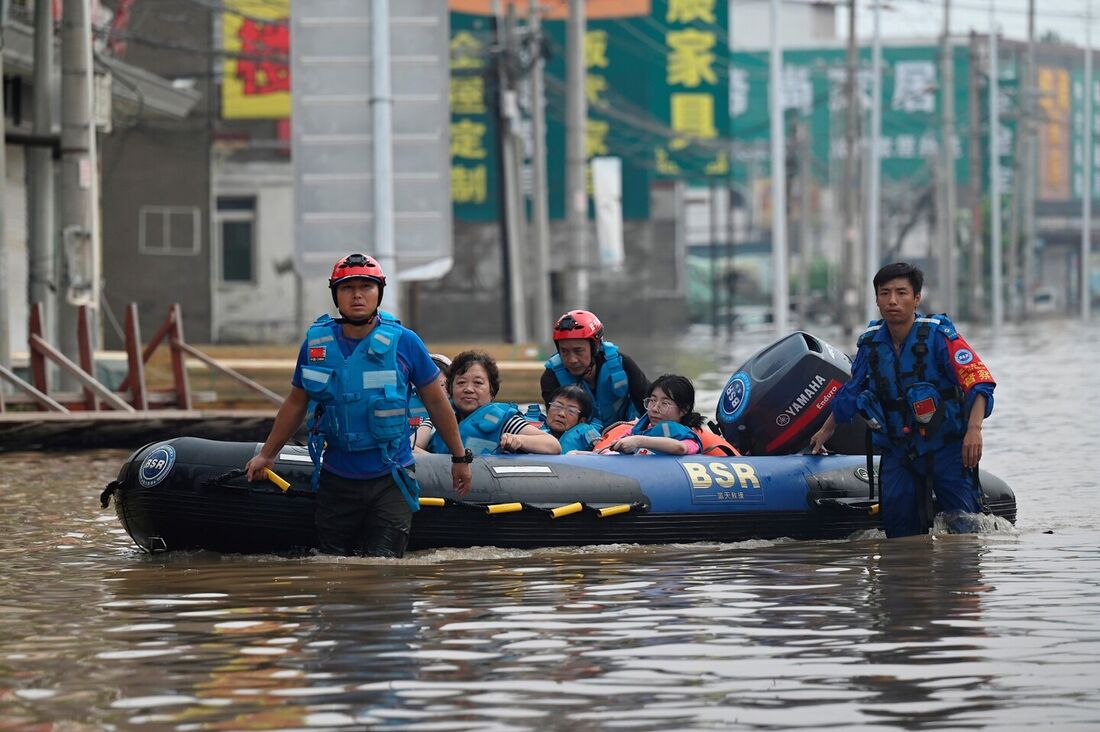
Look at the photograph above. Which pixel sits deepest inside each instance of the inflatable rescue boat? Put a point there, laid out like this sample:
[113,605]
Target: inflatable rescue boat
[191,493]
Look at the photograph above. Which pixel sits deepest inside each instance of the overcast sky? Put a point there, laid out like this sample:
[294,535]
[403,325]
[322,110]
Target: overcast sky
[908,18]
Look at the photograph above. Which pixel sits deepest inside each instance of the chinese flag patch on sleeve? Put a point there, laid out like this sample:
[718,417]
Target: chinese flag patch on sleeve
[316,353]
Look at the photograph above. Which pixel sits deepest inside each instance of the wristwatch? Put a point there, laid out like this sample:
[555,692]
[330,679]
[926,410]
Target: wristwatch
[467,458]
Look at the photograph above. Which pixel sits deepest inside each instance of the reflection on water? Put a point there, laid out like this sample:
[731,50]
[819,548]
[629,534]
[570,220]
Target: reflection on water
[997,630]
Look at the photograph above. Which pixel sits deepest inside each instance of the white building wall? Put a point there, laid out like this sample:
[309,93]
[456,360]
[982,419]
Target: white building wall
[264,310]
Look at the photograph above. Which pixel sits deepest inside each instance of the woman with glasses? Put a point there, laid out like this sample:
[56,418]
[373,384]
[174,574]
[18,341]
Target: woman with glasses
[487,427]
[569,419]
[667,427]
[670,425]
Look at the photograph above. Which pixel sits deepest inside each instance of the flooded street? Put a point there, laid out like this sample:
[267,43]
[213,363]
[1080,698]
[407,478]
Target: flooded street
[997,630]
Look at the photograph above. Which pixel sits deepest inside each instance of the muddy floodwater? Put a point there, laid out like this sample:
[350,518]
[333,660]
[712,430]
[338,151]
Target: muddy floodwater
[998,630]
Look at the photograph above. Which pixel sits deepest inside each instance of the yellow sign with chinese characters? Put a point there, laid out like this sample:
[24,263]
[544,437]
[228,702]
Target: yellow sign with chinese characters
[256,78]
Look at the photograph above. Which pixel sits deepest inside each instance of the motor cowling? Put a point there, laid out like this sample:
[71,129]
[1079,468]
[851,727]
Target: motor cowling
[777,399]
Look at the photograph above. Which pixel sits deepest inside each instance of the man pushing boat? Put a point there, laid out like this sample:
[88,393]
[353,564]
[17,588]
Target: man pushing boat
[924,393]
[357,371]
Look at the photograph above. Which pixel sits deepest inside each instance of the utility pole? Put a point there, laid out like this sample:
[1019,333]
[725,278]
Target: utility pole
[575,279]
[40,266]
[995,242]
[5,269]
[381,107]
[975,291]
[850,260]
[947,163]
[780,294]
[1031,128]
[1086,188]
[79,179]
[540,208]
[805,225]
[874,195]
[514,215]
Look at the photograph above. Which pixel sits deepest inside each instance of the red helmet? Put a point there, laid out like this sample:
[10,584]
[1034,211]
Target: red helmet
[579,324]
[356,265]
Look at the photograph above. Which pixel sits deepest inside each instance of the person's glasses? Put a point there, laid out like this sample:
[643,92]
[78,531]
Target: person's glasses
[650,402]
[559,407]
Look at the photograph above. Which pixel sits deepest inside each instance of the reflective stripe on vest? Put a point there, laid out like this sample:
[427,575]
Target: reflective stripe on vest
[364,397]
[611,398]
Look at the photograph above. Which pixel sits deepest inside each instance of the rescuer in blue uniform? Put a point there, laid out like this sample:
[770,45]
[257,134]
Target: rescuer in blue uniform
[924,392]
[612,379]
[357,371]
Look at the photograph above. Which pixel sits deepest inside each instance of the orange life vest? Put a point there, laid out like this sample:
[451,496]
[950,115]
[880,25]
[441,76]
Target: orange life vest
[712,444]
[614,432]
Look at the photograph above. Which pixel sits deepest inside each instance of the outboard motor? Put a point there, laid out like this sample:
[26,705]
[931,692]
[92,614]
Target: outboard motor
[775,402]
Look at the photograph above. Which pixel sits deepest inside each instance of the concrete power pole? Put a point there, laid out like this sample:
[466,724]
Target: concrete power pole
[1086,189]
[381,109]
[780,292]
[40,269]
[850,260]
[948,280]
[1031,110]
[79,179]
[540,208]
[874,179]
[513,217]
[975,290]
[995,242]
[575,280]
[5,308]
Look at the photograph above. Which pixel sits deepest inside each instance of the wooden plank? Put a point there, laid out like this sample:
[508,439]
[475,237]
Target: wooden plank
[262,390]
[38,361]
[84,349]
[138,390]
[37,396]
[39,344]
[179,363]
[150,347]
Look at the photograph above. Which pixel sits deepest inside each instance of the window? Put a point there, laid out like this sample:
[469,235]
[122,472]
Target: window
[170,230]
[236,231]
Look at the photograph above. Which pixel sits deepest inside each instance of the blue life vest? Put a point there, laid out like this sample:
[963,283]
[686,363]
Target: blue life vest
[611,399]
[581,436]
[417,411]
[668,428]
[917,405]
[480,429]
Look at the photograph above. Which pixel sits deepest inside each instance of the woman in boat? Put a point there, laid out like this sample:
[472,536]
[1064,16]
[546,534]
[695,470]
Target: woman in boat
[670,425]
[569,419]
[487,427]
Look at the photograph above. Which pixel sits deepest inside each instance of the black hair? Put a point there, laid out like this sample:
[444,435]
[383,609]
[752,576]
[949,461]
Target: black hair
[465,360]
[577,394]
[900,269]
[680,390]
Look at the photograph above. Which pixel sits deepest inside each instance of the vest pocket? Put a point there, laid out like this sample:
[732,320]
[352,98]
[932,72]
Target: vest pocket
[388,416]
[320,383]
